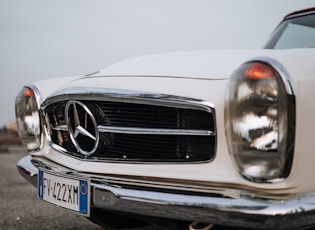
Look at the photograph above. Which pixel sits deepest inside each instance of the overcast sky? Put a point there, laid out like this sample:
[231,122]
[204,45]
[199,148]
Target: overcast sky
[43,39]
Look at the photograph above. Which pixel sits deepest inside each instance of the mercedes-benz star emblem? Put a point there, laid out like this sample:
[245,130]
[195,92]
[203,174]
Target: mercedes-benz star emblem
[82,127]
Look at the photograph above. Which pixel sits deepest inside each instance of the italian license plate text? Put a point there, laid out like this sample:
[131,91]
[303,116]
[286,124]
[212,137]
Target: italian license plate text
[65,192]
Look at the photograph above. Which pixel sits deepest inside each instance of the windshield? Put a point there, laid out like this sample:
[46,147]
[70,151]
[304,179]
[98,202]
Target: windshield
[292,33]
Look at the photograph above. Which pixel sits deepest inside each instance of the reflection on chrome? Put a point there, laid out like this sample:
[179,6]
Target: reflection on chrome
[261,170]
[266,142]
[266,89]
[244,91]
[260,131]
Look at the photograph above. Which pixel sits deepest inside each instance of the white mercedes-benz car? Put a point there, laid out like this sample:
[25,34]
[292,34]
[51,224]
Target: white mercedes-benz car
[181,139]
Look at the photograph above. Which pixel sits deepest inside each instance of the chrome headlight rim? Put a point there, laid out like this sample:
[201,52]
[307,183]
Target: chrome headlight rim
[284,77]
[38,129]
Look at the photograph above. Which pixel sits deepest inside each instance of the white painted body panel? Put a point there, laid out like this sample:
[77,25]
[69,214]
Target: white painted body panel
[203,75]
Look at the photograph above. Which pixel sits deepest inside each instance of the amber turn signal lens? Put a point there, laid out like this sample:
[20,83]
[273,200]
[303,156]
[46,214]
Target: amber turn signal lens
[259,71]
[27,92]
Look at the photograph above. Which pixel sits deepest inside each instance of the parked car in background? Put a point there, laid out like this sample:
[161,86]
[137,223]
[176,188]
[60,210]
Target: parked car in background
[211,137]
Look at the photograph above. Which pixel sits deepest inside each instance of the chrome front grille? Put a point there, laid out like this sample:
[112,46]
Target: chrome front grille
[132,129]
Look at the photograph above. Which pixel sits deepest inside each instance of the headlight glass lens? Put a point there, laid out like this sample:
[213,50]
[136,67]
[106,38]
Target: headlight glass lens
[256,119]
[27,118]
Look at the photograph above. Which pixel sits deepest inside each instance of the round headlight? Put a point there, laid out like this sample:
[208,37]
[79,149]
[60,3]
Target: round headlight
[27,118]
[260,120]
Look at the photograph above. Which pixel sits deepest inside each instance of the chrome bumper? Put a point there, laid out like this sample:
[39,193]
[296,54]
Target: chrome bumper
[243,211]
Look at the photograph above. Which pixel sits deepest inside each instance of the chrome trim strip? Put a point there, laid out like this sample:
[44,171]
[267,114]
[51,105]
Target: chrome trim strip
[128,96]
[149,131]
[216,208]
[60,128]
[144,131]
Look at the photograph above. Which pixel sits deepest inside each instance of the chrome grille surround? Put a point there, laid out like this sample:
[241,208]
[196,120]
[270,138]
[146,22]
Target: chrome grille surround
[133,126]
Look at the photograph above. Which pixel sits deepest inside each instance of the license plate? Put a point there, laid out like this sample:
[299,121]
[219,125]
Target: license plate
[67,192]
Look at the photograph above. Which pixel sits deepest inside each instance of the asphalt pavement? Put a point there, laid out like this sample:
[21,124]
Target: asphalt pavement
[19,206]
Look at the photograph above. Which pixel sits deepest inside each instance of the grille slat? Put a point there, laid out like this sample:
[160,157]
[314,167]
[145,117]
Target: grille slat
[137,147]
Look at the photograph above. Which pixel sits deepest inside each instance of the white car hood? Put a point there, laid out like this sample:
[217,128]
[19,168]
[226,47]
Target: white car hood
[217,64]
[202,65]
